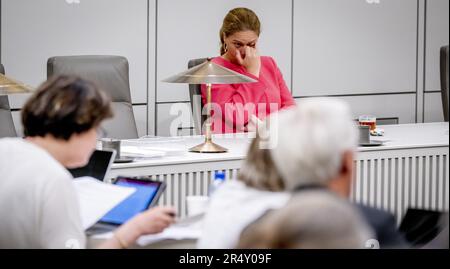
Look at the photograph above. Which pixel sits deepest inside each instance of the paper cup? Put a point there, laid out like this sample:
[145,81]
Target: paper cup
[196,205]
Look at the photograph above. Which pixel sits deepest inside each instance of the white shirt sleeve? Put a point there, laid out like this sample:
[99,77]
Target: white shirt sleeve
[60,221]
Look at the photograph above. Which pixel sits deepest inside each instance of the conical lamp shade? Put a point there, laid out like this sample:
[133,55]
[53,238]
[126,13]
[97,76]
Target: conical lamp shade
[209,73]
[10,86]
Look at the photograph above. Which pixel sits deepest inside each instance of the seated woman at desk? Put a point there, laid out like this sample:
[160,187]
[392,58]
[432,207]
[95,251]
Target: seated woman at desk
[240,103]
[38,203]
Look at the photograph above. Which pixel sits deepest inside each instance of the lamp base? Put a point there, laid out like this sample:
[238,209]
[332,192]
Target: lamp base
[208,147]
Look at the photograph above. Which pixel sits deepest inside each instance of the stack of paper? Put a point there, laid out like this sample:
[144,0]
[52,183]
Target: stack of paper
[140,152]
[188,228]
[96,198]
[170,146]
[171,233]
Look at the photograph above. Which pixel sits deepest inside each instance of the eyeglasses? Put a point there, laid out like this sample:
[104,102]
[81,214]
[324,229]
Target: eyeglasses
[101,132]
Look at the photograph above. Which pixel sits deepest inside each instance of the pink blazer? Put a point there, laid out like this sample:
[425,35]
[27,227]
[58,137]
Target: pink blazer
[233,104]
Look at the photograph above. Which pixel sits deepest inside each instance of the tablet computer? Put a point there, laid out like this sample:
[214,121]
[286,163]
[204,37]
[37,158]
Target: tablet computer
[146,195]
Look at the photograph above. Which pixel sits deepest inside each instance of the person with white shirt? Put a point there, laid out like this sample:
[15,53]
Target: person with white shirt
[38,203]
[239,202]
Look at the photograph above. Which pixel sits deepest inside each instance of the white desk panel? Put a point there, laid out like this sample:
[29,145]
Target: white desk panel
[383,106]
[354,47]
[33,31]
[174,117]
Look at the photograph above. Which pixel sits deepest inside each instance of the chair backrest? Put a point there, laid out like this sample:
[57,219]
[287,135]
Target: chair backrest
[110,73]
[444,81]
[195,95]
[7,128]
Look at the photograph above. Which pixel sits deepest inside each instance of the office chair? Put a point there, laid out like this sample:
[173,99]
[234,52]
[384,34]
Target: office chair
[425,228]
[195,95]
[110,73]
[444,81]
[7,128]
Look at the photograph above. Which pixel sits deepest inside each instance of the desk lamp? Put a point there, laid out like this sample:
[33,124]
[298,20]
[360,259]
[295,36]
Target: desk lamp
[209,73]
[10,86]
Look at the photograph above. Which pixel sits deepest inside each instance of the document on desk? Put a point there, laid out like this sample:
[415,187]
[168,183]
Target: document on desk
[171,233]
[169,146]
[140,152]
[96,198]
[189,228]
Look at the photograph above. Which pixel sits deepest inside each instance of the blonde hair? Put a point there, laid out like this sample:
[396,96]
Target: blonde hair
[237,20]
[259,170]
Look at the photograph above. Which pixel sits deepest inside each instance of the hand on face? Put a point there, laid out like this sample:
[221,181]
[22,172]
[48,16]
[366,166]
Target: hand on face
[251,60]
[242,49]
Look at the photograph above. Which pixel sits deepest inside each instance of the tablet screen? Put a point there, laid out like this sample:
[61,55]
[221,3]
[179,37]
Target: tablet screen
[146,194]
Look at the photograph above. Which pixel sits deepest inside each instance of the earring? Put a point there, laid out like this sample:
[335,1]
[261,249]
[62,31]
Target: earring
[225,47]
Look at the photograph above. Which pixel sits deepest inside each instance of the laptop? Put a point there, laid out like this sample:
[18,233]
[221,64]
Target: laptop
[98,166]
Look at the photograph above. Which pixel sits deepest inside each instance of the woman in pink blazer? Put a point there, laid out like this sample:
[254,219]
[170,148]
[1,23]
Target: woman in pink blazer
[236,105]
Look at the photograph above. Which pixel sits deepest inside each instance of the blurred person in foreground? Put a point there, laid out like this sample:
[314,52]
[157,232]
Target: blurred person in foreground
[301,148]
[38,203]
[317,152]
[311,220]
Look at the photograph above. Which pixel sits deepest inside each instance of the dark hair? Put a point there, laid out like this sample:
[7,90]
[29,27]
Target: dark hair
[237,20]
[65,105]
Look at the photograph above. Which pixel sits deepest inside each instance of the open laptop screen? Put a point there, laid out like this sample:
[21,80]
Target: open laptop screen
[97,167]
